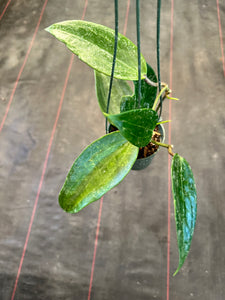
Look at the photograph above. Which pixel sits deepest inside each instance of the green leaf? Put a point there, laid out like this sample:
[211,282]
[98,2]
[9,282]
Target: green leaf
[100,167]
[94,44]
[148,94]
[128,103]
[119,89]
[185,205]
[135,125]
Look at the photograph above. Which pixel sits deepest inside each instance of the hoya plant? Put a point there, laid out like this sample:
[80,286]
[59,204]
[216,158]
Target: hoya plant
[134,133]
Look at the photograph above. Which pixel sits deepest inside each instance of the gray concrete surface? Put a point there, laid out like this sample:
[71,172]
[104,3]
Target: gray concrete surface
[131,259]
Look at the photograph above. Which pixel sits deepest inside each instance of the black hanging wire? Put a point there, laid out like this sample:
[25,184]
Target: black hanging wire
[114,61]
[139,50]
[139,54]
[158,52]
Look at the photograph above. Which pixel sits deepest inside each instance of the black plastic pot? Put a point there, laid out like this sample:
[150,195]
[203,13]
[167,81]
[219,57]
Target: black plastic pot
[142,163]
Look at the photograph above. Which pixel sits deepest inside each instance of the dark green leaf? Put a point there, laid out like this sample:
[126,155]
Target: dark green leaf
[94,44]
[148,94]
[185,205]
[135,125]
[119,89]
[128,103]
[100,167]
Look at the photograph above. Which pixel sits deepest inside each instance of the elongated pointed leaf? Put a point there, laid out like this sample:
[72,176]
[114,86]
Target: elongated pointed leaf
[94,44]
[100,167]
[185,205]
[119,89]
[135,125]
[148,94]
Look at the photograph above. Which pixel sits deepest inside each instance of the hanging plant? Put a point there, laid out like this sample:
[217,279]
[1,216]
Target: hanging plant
[134,120]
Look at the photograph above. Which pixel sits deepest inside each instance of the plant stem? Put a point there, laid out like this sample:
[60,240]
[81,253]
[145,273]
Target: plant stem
[149,82]
[163,122]
[158,96]
[156,132]
[164,97]
[169,147]
[172,98]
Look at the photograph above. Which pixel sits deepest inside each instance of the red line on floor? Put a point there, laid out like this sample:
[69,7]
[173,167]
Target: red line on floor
[169,157]
[42,177]
[95,248]
[126,17]
[85,8]
[101,201]
[221,36]
[45,166]
[4,10]
[23,65]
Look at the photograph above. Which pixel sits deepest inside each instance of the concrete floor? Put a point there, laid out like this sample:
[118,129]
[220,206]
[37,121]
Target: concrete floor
[55,255]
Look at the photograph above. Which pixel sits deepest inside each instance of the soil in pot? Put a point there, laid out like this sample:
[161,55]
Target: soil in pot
[148,149]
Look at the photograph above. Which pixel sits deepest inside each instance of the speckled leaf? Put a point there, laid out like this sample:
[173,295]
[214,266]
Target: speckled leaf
[185,205]
[119,89]
[135,125]
[128,103]
[100,167]
[148,94]
[94,44]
